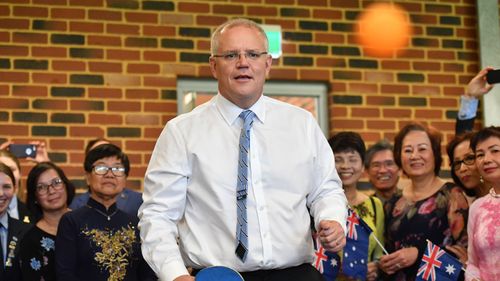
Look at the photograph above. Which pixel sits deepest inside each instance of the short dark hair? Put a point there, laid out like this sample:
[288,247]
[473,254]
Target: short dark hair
[6,170]
[434,137]
[450,150]
[348,142]
[92,142]
[32,182]
[381,145]
[103,151]
[483,134]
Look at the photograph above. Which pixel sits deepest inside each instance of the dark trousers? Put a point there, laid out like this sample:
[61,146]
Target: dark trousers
[303,272]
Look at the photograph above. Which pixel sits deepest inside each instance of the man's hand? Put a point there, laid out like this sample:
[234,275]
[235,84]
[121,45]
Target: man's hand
[184,278]
[399,259]
[478,86]
[331,235]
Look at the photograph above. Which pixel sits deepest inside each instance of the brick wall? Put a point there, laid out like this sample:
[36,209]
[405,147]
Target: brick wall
[73,70]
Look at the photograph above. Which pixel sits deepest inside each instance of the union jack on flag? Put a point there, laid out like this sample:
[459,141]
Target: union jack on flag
[327,263]
[352,222]
[437,265]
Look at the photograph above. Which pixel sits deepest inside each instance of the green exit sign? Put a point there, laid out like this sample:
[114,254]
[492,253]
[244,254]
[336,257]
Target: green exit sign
[273,33]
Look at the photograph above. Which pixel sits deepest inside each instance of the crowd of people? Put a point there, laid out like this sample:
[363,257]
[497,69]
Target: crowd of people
[250,208]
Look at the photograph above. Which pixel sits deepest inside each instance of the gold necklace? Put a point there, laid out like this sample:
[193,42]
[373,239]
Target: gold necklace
[102,213]
[493,193]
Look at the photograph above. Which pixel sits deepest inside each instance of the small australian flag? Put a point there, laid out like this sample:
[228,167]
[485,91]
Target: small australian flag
[437,265]
[355,255]
[326,262]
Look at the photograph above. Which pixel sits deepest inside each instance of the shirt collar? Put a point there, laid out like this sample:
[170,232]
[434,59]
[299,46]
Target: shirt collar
[4,220]
[230,111]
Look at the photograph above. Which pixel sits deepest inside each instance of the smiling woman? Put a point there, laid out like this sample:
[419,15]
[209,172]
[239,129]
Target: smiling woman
[99,241]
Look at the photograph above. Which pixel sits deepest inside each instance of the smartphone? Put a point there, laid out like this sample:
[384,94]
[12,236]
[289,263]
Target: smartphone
[23,150]
[493,76]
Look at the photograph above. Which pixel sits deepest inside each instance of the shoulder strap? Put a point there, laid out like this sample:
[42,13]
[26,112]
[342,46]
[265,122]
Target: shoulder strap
[374,210]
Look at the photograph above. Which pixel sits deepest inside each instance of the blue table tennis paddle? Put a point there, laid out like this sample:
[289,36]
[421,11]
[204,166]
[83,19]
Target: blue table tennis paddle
[218,273]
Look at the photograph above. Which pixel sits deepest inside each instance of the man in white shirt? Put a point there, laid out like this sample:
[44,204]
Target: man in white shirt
[189,215]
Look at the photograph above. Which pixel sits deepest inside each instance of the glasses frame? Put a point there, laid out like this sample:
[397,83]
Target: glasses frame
[468,160]
[233,56]
[43,188]
[96,170]
[388,164]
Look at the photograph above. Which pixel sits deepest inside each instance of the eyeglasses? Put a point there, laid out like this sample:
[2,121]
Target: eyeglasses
[388,164]
[102,170]
[43,188]
[468,160]
[234,56]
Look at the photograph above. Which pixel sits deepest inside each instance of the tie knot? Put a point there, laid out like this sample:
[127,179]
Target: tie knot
[247,115]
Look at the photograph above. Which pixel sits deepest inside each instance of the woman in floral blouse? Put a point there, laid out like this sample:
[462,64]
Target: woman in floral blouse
[429,208]
[49,194]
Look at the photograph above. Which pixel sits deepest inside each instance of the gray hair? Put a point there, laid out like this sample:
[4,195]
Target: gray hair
[214,43]
[381,145]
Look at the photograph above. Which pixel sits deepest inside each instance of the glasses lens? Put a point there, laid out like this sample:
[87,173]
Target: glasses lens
[118,171]
[100,170]
[469,159]
[42,188]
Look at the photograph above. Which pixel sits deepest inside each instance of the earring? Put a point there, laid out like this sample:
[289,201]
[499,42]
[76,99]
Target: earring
[481,180]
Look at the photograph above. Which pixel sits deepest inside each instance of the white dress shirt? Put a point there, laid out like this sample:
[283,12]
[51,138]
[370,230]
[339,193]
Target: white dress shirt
[190,189]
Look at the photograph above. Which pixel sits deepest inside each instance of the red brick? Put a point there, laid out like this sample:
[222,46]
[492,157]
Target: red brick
[11,76]
[442,55]
[442,78]
[13,103]
[104,15]
[453,91]
[379,76]
[380,124]
[129,29]
[4,90]
[66,144]
[425,19]
[176,19]
[105,67]
[167,117]
[331,62]
[84,105]
[159,56]
[149,68]
[153,133]
[4,10]
[160,107]
[155,30]
[53,52]
[159,81]
[102,40]
[427,66]
[394,89]
[30,91]
[90,27]
[327,14]
[198,8]
[114,54]
[428,114]
[120,80]
[29,37]
[228,9]
[179,69]
[141,94]
[67,13]
[141,17]
[284,73]
[14,130]
[10,23]
[284,2]
[320,37]
[284,23]
[4,36]
[134,145]
[340,3]
[396,113]
[87,3]
[310,74]
[13,50]
[68,65]
[348,124]
[52,104]
[380,100]
[444,102]
[365,112]
[338,87]
[142,119]
[105,93]
[338,111]
[262,11]
[411,54]
[356,87]
[425,90]
[50,2]
[395,64]
[49,78]
[210,20]
[109,119]
[55,25]
[86,131]
[122,106]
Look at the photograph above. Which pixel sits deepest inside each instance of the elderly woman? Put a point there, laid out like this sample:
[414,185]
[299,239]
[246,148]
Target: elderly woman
[11,230]
[49,193]
[98,241]
[484,226]
[429,208]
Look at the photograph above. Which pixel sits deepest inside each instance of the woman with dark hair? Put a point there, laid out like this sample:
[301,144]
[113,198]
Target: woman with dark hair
[349,150]
[428,208]
[49,193]
[484,226]
[11,230]
[463,167]
[99,241]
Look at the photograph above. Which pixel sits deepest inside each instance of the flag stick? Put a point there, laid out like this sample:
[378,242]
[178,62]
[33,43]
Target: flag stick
[380,244]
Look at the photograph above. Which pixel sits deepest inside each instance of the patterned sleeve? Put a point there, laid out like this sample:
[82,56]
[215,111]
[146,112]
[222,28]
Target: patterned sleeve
[458,210]
[472,262]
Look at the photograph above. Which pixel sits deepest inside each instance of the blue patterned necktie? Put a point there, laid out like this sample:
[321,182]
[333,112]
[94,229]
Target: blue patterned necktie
[242,185]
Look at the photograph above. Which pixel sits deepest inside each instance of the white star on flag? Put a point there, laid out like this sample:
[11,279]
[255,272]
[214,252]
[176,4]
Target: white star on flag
[450,269]
[334,262]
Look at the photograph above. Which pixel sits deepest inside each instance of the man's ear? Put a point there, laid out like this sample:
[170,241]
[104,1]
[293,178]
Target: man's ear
[213,66]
